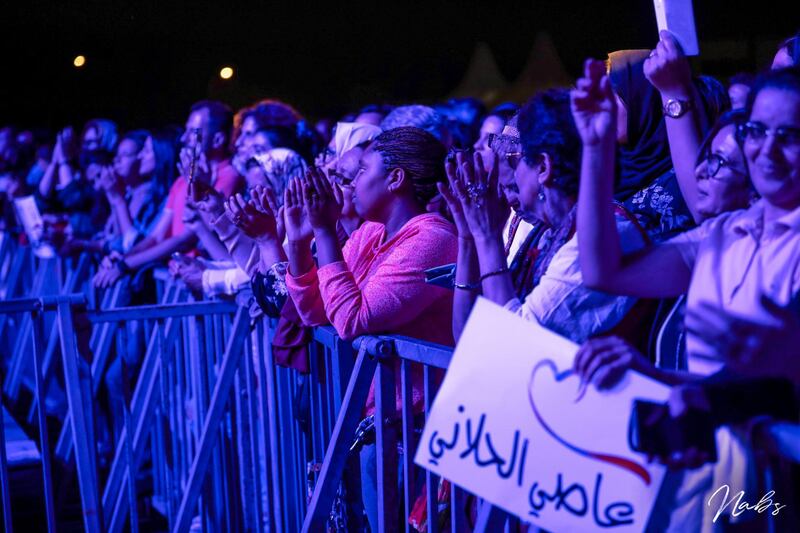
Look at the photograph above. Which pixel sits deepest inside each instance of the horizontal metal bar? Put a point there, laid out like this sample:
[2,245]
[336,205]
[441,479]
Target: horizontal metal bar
[427,353]
[23,305]
[326,335]
[151,312]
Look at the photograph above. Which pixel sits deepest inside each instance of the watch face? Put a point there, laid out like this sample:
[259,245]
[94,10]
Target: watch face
[674,108]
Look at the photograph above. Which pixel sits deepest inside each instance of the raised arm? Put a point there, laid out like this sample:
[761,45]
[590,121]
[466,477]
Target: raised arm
[467,276]
[486,212]
[658,272]
[669,72]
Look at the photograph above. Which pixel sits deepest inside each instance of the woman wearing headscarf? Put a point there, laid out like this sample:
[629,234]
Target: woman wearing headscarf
[645,181]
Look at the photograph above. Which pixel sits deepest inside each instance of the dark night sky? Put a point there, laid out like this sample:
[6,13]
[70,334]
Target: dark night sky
[147,61]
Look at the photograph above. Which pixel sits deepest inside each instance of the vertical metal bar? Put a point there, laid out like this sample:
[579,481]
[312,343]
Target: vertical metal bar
[4,484]
[431,479]
[122,331]
[339,448]
[458,510]
[269,414]
[81,431]
[252,411]
[386,445]
[409,443]
[44,441]
[230,363]
[163,422]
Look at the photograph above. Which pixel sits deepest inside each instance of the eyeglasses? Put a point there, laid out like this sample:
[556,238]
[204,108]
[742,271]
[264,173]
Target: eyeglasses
[714,162]
[755,133]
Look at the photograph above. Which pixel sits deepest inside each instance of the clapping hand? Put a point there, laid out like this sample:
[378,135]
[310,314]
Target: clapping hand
[594,107]
[251,217]
[482,209]
[322,199]
[298,227]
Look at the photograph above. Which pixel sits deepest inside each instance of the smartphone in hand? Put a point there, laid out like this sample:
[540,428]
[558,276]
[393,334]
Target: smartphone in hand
[654,431]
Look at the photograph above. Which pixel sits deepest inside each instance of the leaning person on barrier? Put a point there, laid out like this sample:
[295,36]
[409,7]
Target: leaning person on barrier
[376,282]
[213,120]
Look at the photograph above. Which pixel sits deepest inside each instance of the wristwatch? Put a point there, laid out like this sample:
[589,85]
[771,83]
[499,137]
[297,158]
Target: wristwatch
[675,108]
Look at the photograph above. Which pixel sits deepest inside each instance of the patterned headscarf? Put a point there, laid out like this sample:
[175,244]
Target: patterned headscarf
[280,165]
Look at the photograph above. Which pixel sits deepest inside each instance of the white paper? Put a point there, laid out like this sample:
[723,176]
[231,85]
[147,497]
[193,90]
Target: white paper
[506,426]
[30,218]
[677,17]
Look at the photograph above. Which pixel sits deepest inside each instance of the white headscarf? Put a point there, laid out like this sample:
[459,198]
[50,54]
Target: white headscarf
[350,134]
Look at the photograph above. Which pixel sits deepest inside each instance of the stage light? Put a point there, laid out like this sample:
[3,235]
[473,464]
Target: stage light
[79,61]
[226,73]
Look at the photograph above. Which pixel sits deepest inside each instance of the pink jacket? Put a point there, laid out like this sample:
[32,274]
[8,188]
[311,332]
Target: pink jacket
[380,286]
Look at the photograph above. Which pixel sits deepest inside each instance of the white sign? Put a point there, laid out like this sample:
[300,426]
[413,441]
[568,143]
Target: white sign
[509,425]
[677,17]
[29,217]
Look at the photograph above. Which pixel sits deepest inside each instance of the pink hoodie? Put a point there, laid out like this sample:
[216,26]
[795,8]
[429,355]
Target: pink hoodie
[380,286]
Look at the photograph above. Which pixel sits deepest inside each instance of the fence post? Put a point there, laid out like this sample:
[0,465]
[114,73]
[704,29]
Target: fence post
[386,439]
[81,433]
[222,389]
[339,447]
[41,391]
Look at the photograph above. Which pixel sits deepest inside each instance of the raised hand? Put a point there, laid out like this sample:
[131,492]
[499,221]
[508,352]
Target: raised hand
[484,210]
[251,219]
[667,69]
[322,199]
[594,107]
[267,203]
[298,228]
[452,195]
[211,207]
[110,184]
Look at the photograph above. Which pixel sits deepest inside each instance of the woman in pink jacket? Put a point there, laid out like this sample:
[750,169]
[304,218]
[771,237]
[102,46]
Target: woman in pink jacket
[376,282]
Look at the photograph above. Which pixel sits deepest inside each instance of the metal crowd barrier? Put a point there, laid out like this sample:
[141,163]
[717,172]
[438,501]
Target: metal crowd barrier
[212,436]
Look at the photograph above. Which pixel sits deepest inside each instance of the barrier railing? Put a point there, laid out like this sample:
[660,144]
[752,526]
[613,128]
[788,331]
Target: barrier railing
[209,418]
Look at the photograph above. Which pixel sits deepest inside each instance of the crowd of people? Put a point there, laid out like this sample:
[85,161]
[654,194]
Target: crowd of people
[685,194]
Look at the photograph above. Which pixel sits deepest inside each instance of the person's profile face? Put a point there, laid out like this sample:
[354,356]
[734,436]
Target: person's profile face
[729,188]
[198,120]
[126,161]
[246,133]
[91,140]
[147,158]
[738,94]
[773,158]
[369,187]
[526,177]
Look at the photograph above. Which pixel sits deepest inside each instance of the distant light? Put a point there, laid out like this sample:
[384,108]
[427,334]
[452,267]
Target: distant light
[79,61]
[226,73]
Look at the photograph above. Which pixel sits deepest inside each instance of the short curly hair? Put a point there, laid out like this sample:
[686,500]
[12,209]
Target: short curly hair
[546,126]
[418,153]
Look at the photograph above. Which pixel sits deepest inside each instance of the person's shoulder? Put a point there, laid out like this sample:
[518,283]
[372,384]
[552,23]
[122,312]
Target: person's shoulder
[433,225]
[179,183]
[228,178]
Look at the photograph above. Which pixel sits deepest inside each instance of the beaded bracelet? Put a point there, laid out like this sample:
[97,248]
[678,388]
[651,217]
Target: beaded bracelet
[497,272]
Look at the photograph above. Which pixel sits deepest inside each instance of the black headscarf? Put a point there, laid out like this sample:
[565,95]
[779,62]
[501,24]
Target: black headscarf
[646,156]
